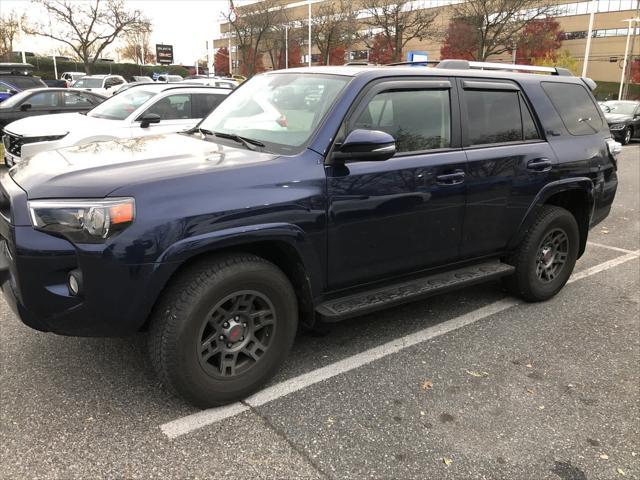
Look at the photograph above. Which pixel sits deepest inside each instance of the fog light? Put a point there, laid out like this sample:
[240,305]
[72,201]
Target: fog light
[75,282]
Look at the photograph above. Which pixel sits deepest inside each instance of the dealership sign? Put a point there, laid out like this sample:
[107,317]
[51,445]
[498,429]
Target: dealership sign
[164,54]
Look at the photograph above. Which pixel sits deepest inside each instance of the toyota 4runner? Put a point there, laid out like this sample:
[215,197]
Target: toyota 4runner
[308,195]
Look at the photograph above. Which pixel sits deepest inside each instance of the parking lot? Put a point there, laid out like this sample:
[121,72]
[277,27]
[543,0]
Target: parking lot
[472,384]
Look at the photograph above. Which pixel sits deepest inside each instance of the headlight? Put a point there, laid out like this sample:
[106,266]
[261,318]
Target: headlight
[83,221]
[617,126]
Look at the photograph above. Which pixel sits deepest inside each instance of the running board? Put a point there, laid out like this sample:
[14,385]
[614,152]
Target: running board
[370,300]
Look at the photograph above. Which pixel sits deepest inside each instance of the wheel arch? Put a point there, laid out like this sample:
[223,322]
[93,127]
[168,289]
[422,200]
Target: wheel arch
[284,245]
[573,194]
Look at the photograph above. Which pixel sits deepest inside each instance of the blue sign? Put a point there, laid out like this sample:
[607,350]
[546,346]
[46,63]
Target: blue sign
[417,56]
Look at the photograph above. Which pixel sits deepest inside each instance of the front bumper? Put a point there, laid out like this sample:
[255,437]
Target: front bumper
[115,301]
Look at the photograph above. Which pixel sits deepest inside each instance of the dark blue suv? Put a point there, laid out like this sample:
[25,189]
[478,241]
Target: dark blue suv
[309,195]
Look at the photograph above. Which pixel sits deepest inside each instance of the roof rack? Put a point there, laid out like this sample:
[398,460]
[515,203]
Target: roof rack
[466,65]
[415,62]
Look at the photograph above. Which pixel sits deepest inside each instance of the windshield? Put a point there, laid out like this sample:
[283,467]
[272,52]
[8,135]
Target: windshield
[625,108]
[122,105]
[88,83]
[280,110]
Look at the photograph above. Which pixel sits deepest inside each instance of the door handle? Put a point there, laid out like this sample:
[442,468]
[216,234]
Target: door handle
[540,165]
[454,178]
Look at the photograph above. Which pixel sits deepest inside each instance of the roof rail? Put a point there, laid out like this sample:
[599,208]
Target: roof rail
[466,65]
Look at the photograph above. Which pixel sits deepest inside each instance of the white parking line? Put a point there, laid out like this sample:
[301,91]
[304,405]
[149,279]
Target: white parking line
[617,249]
[184,425]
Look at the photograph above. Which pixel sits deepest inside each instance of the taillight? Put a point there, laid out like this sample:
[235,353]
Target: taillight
[614,148]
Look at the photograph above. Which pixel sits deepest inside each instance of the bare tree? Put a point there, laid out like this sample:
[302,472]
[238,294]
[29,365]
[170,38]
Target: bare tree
[250,25]
[499,23]
[86,27]
[398,21]
[9,32]
[137,45]
[333,26]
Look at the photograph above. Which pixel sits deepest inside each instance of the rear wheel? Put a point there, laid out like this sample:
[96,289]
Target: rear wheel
[223,328]
[546,256]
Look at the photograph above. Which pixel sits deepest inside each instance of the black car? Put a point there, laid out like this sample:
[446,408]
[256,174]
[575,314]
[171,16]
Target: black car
[623,118]
[42,101]
[56,83]
[309,195]
[17,77]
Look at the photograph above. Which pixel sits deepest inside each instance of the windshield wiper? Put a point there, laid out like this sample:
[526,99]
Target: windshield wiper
[250,143]
[202,131]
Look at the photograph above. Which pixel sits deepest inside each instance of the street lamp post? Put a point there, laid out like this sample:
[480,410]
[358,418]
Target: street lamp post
[309,5]
[286,46]
[626,53]
[593,7]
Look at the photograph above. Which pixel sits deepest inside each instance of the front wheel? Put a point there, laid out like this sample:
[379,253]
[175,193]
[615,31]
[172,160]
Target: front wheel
[223,328]
[545,258]
[626,136]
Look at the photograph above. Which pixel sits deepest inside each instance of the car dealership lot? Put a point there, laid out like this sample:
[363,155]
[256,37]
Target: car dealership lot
[533,391]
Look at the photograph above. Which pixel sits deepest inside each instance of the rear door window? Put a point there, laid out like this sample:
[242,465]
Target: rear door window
[76,100]
[577,110]
[498,116]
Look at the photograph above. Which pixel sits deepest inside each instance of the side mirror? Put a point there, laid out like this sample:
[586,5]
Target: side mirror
[366,146]
[147,119]
[25,106]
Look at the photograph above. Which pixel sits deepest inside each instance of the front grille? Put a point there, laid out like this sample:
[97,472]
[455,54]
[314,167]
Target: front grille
[12,143]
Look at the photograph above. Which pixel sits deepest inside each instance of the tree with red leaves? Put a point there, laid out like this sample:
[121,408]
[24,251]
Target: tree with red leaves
[539,39]
[635,71]
[460,41]
[336,56]
[221,61]
[381,51]
[252,63]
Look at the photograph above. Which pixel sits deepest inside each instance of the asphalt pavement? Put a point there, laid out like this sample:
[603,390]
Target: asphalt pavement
[472,384]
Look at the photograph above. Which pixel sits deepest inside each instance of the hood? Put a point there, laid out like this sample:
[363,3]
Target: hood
[55,124]
[617,117]
[99,168]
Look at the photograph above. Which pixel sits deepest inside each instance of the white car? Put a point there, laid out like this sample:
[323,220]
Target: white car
[143,110]
[213,82]
[71,77]
[169,78]
[102,84]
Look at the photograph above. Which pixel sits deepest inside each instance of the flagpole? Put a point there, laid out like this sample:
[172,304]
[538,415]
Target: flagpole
[593,6]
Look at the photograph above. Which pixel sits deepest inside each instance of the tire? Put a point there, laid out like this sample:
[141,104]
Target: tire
[538,275]
[245,299]
[626,136]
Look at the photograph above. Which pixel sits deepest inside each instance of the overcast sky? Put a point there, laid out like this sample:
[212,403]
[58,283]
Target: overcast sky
[185,24]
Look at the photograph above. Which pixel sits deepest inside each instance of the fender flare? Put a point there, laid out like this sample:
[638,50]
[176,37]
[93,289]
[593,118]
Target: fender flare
[584,184]
[237,237]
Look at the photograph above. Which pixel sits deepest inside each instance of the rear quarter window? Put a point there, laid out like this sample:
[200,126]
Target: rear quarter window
[575,106]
